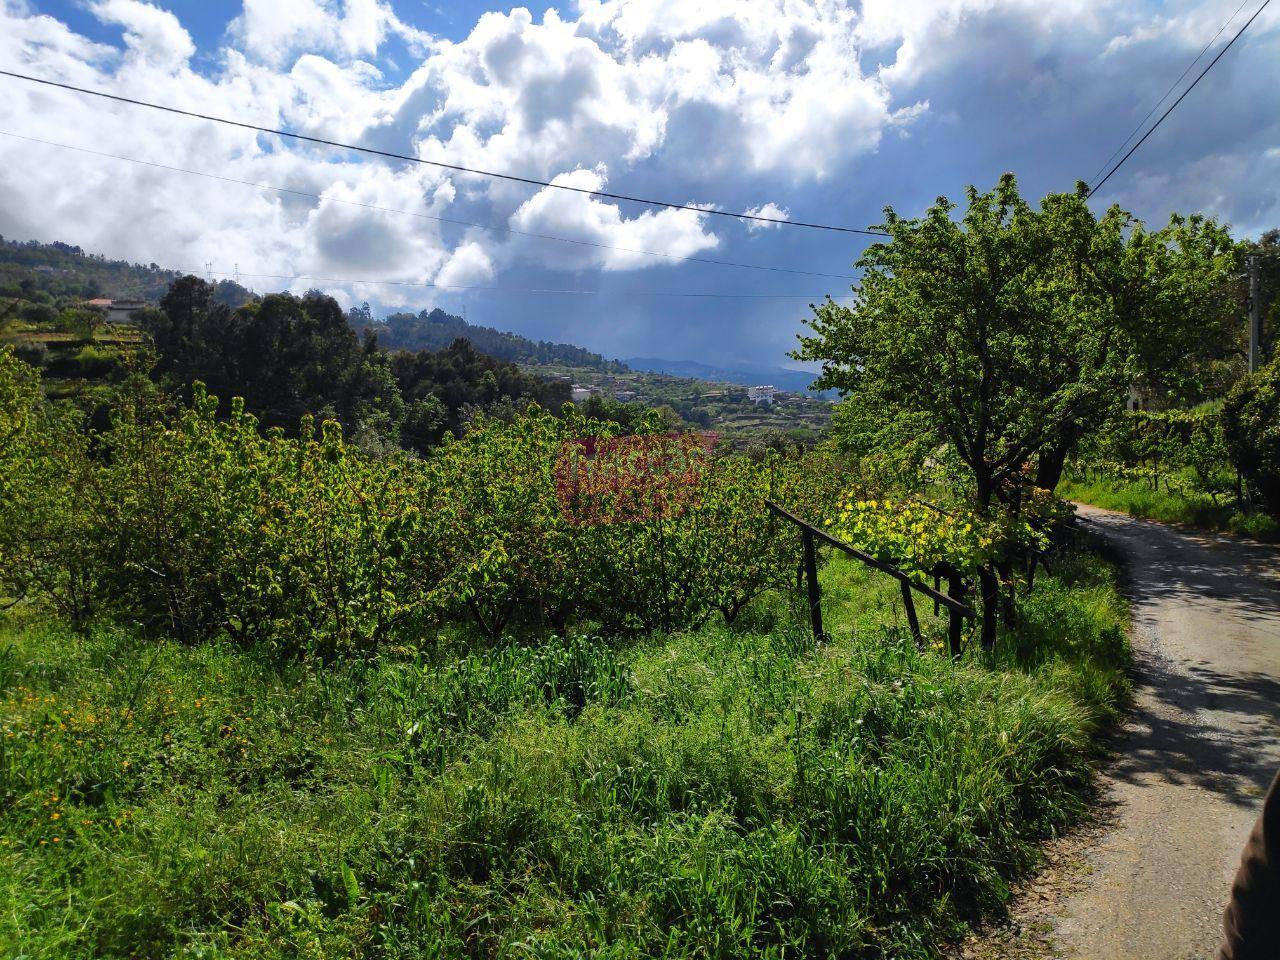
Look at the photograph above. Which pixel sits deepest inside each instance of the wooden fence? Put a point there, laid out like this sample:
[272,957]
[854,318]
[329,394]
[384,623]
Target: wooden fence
[957,610]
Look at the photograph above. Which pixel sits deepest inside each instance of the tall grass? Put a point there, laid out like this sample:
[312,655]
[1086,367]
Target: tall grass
[1185,506]
[734,791]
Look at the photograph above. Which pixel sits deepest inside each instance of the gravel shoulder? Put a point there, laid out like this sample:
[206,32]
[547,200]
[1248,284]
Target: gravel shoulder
[1148,878]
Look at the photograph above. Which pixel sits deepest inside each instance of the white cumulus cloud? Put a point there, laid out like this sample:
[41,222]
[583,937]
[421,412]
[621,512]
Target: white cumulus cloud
[720,101]
[273,30]
[769,211]
[621,242]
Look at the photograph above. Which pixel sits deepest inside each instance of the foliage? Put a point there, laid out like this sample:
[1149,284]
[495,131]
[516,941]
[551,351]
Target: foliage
[62,272]
[630,416]
[978,346]
[19,391]
[1003,336]
[922,538]
[193,524]
[289,356]
[719,793]
[82,322]
[1179,447]
[460,379]
[1173,466]
[1251,426]
[45,542]
[432,330]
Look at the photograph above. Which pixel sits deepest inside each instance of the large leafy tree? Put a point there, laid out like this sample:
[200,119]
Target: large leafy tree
[1251,428]
[287,356]
[1002,335]
[988,343]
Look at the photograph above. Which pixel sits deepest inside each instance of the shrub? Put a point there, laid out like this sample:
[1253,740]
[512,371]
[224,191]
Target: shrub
[93,362]
[1251,425]
[35,353]
[47,536]
[193,524]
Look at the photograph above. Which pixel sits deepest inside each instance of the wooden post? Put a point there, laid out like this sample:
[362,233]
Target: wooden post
[1255,317]
[955,630]
[937,585]
[910,606]
[809,537]
[811,574]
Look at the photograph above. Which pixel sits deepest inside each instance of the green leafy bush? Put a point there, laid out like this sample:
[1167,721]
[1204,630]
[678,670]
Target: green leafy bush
[193,524]
[1251,423]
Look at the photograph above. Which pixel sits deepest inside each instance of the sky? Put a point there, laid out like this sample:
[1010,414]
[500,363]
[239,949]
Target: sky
[809,110]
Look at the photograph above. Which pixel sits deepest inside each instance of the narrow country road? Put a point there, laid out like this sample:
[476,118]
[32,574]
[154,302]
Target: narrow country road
[1195,757]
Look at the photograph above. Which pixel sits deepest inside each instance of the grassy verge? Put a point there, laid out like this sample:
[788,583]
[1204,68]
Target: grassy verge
[1195,510]
[722,793]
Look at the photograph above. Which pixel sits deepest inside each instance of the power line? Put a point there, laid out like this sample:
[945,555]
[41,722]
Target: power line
[1175,103]
[1173,86]
[424,216]
[520,290]
[436,163]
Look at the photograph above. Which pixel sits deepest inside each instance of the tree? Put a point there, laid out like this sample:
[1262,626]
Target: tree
[81,322]
[1164,300]
[1251,428]
[991,342]
[289,356]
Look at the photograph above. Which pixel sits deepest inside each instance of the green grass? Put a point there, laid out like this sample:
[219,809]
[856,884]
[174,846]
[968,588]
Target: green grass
[727,792]
[1193,509]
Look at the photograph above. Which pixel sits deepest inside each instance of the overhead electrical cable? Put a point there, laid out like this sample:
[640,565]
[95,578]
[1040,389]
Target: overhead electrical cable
[1173,106]
[244,125]
[425,216]
[1173,86]
[574,291]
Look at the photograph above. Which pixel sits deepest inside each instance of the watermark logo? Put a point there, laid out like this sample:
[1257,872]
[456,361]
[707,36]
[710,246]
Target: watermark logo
[603,480]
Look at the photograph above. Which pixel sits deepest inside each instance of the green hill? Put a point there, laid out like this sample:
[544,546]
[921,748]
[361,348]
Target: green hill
[52,272]
[435,329]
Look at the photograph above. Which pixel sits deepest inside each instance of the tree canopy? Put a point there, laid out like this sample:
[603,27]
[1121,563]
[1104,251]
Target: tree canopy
[289,356]
[997,338]
[984,346]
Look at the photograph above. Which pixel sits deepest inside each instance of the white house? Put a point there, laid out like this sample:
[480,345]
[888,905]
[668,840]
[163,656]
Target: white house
[761,394]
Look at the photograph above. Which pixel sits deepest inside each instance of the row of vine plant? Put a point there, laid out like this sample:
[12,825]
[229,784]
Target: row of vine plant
[191,521]
[1179,451]
[194,522]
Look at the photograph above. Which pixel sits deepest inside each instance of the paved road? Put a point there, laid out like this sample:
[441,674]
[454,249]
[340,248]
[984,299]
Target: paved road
[1201,747]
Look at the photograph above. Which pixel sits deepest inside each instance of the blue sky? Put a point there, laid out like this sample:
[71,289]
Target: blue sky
[207,21]
[822,109]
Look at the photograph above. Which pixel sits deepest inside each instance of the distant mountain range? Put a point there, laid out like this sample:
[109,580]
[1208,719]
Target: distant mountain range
[746,374]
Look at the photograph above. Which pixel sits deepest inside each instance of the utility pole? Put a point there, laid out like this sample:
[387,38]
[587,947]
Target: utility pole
[1255,317]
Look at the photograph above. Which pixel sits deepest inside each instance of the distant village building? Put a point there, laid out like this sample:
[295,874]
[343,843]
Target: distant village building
[118,311]
[761,394]
[624,396]
[579,393]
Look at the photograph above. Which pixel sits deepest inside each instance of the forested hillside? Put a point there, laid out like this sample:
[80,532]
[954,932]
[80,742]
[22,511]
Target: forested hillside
[44,272]
[284,356]
[431,330]
[288,356]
